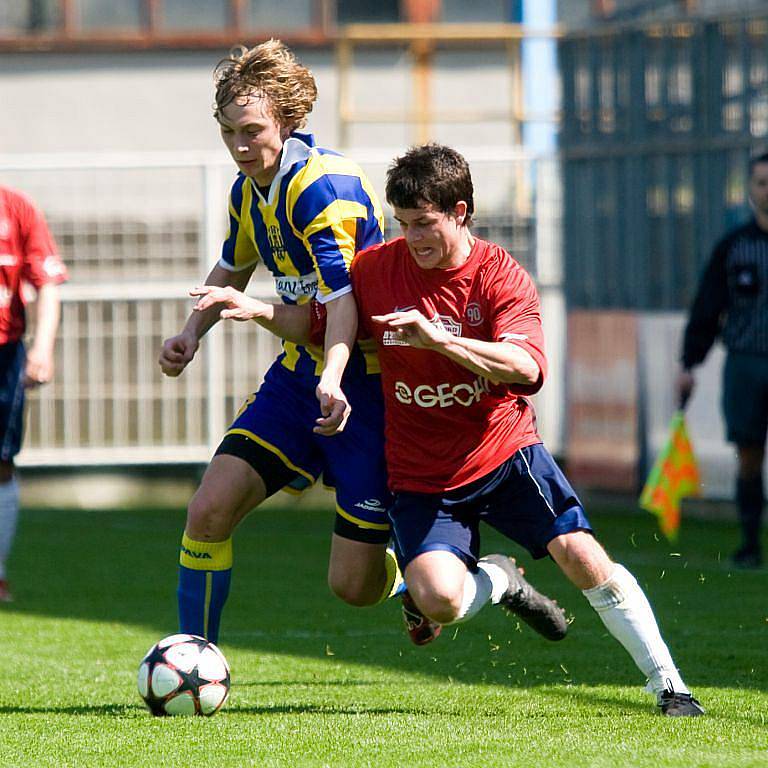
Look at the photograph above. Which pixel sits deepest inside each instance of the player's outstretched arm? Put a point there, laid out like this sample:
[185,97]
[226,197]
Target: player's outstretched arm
[177,351]
[288,321]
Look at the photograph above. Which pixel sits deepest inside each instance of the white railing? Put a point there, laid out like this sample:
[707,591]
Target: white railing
[137,231]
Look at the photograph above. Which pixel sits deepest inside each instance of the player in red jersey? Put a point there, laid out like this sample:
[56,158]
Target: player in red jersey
[457,326]
[28,254]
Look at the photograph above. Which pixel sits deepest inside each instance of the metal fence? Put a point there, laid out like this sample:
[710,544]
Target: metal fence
[136,233]
[658,125]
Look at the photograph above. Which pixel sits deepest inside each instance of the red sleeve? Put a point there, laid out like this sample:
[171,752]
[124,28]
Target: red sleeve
[319,315]
[356,272]
[516,316]
[42,263]
[318,318]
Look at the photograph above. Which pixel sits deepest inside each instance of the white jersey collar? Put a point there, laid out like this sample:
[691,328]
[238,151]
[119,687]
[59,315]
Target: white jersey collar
[297,147]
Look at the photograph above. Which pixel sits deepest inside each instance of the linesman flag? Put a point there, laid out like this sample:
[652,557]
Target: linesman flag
[674,476]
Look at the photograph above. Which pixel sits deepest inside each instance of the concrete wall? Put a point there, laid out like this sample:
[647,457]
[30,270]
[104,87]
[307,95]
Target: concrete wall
[161,101]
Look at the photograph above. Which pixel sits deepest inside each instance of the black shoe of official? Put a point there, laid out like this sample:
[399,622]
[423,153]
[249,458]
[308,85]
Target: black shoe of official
[537,610]
[674,704]
[747,558]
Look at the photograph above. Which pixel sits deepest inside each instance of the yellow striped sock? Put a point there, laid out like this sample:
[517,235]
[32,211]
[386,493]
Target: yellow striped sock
[205,555]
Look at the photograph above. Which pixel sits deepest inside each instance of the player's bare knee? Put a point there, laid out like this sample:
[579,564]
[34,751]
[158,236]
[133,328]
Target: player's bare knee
[208,520]
[352,594]
[355,588]
[436,601]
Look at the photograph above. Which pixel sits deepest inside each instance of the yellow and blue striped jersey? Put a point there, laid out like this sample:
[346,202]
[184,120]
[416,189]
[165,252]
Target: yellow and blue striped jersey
[318,212]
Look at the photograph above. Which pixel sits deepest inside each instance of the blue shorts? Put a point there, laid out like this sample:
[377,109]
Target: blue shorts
[745,398]
[12,364]
[527,498]
[277,423]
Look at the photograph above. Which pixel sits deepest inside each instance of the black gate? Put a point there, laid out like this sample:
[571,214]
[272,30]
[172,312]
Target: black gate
[658,125]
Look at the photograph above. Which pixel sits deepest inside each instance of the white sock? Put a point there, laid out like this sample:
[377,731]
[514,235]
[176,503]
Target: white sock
[499,579]
[9,515]
[626,612]
[477,591]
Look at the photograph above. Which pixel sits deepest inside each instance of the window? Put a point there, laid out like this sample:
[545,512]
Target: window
[193,14]
[364,11]
[93,15]
[460,11]
[279,14]
[29,17]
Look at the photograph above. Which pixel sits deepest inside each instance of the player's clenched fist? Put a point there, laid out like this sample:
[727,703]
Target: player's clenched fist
[177,352]
[334,408]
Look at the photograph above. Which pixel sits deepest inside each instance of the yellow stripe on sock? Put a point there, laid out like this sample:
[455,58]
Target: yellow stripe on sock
[205,555]
[394,577]
[208,592]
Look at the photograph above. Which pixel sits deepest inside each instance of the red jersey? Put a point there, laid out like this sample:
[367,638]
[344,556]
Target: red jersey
[27,254]
[446,425]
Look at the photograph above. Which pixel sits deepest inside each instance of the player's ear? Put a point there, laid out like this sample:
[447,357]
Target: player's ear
[460,212]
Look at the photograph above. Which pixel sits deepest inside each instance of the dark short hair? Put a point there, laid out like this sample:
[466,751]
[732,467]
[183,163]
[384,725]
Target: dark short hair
[432,173]
[757,160]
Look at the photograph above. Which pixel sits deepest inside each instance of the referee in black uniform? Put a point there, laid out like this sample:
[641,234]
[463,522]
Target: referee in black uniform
[732,301]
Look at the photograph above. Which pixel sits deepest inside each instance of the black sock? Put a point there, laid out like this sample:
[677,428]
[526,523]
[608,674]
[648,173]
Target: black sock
[750,499]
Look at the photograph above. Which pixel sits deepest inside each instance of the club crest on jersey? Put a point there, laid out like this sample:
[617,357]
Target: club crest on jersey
[275,238]
[447,324]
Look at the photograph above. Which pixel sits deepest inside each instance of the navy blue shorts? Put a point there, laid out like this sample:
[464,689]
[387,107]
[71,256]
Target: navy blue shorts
[527,498]
[273,432]
[12,364]
[745,398]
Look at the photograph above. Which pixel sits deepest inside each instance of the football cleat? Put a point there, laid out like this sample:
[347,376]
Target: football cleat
[421,630]
[674,704]
[538,611]
[6,596]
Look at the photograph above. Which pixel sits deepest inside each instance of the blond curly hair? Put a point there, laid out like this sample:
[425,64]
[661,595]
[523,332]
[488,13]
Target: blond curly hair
[270,70]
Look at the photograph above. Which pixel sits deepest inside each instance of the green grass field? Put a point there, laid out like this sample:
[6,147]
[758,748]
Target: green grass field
[317,683]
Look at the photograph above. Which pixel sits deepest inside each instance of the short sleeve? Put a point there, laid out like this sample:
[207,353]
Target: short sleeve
[42,262]
[515,315]
[335,211]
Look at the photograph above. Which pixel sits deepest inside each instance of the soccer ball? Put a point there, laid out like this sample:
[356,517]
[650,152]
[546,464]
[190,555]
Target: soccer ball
[184,675]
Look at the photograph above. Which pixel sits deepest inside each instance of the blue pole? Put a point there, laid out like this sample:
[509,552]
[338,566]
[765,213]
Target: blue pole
[540,80]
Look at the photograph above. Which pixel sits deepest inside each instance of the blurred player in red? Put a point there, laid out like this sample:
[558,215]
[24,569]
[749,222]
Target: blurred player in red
[28,254]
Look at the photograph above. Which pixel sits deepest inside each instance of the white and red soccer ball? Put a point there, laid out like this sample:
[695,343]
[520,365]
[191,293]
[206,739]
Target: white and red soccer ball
[184,675]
